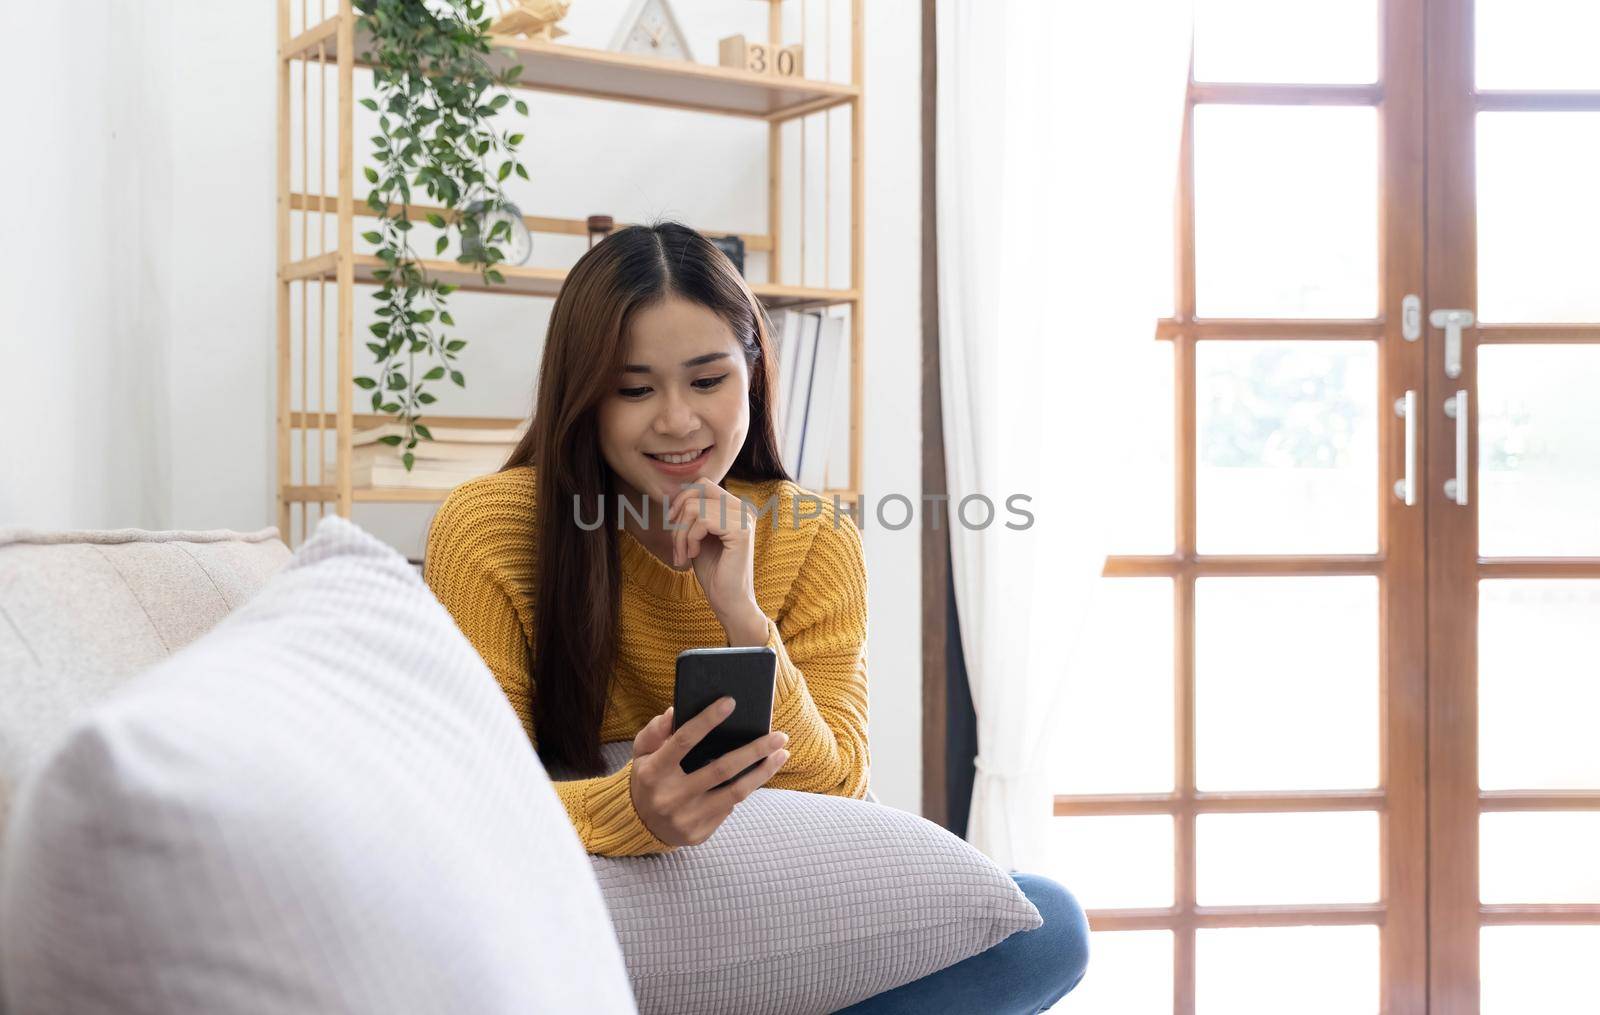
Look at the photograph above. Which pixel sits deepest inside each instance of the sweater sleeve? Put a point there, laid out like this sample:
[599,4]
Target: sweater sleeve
[459,570]
[821,695]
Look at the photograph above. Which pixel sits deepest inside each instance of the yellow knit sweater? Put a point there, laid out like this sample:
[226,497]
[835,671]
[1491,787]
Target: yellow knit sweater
[810,581]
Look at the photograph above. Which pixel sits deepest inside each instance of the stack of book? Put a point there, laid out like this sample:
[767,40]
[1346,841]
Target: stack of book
[813,418]
[455,455]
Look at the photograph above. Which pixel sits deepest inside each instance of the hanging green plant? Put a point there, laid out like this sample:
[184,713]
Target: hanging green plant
[436,98]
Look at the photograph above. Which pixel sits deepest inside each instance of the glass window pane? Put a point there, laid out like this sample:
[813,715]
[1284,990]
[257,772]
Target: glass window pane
[1116,711]
[1115,861]
[1539,450]
[1538,213]
[1143,522]
[1539,856]
[1537,44]
[1306,42]
[1286,211]
[1286,859]
[1538,685]
[1549,970]
[1132,975]
[1288,447]
[1273,970]
[1286,683]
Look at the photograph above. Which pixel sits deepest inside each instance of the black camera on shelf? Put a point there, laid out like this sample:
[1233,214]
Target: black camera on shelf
[733,246]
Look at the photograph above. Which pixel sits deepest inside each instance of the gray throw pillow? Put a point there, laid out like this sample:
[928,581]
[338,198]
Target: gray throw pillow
[801,902]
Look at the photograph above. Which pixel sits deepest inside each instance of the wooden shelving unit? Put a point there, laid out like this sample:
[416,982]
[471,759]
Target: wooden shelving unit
[328,274]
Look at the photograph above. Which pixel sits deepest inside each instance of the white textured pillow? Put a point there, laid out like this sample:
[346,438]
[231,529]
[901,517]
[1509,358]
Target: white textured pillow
[324,804]
[799,903]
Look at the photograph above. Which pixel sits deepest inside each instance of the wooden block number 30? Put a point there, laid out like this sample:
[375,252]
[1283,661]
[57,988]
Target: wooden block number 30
[760,58]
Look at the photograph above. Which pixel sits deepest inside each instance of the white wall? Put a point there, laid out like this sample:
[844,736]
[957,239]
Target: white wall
[139,328]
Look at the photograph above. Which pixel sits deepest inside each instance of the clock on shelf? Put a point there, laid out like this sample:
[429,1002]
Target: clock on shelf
[516,245]
[649,28]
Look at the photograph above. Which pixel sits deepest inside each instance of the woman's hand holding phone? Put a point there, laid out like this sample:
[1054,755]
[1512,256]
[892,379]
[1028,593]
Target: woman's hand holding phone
[683,808]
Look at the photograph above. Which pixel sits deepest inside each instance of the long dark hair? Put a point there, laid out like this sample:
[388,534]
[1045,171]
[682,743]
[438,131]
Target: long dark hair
[578,591]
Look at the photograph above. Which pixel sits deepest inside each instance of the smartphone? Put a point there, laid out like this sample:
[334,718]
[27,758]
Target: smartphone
[749,674]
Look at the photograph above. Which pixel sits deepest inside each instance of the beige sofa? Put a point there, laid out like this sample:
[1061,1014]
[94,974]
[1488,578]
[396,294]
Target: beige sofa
[801,902]
[81,611]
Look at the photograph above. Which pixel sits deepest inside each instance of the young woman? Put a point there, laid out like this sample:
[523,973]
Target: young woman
[621,531]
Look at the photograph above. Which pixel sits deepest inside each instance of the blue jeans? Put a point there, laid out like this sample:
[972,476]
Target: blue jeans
[1024,974]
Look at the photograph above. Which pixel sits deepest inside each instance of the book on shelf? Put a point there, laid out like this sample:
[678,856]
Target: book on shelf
[814,382]
[836,467]
[797,386]
[420,477]
[787,330]
[454,455]
[824,412]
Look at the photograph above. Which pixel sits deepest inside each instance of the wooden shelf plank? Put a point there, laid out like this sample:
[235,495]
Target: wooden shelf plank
[302,46]
[526,281]
[624,77]
[328,493]
[368,420]
[677,84]
[753,242]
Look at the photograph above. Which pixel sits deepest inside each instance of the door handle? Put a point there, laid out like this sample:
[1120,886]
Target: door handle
[1406,408]
[1452,321]
[1456,408]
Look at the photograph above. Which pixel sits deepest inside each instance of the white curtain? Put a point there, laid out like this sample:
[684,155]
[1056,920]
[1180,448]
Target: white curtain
[1059,123]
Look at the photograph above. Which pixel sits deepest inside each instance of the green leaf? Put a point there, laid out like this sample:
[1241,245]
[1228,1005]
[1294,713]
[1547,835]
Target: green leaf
[514,140]
[423,316]
[455,375]
[391,407]
[436,220]
[376,398]
[521,171]
[505,170]
[366,383]
[455,345]
[370,104]
[381,329]
[444,241]
[494,276]
[372,237]
[425,398]
[372,174]
[446,319]
[499,102]
[434,374]
[424,432]
[389,439]
[522,107]
[377,350]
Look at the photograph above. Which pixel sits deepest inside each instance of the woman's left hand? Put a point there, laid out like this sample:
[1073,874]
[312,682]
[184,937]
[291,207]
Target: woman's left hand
[713,530]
